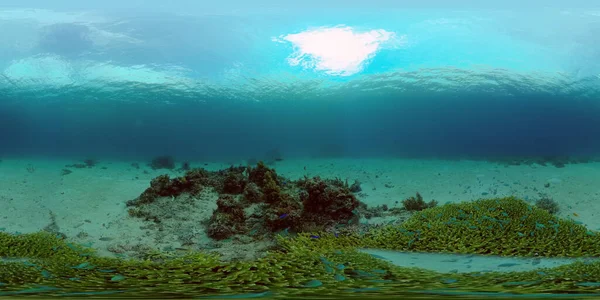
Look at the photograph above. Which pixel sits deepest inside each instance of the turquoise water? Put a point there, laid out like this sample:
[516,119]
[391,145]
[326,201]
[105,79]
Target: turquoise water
[375,82]
[312,89]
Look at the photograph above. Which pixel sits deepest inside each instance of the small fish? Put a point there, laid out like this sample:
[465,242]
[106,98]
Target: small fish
[314,236]
[73,247]
[339,277]
[283,216]
[364,290]
[507,265]
[589,284]
[449,280]
[575,214]
[363,273]
[378,256]
[313,283]
[31,264]
[46,274]
[106,239]
[513,283]
[85,265]
[117,278]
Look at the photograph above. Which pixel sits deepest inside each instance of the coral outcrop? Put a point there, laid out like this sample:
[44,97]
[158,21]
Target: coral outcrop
[276,203]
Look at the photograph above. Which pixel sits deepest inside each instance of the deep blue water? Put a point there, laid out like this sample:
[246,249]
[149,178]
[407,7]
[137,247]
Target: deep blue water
[457,124]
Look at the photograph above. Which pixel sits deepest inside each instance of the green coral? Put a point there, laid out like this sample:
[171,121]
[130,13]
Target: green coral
[40,245]
[503,226]
[323,264]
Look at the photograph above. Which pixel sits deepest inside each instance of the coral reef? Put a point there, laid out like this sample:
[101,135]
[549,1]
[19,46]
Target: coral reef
[253,200]
[162,162]
[185,166]
[87,163]
[327,202]
[228,219]
[90,162]
[301,256]
[355,187]
[556,161]
[417,203]
[548,204]
[303,266]
[504,226]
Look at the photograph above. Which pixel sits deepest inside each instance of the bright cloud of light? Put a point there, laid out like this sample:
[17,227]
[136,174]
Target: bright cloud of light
[340,50]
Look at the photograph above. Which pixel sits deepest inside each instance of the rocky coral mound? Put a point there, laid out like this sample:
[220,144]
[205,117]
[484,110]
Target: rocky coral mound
[247,204]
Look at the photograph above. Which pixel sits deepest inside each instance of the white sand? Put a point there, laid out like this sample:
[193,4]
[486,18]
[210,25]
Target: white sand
[92,200]
[458,263]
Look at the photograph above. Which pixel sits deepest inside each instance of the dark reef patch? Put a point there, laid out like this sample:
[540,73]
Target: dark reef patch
[253,204]
[556,161]
[162,162]
[284,203]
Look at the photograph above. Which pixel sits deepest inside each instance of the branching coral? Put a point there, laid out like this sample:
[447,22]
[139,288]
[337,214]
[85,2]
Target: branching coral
[302,266]
[503,226]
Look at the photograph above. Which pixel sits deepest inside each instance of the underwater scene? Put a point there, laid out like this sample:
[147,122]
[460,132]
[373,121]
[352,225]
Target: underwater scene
[300,149]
